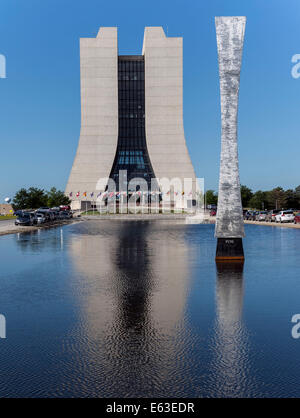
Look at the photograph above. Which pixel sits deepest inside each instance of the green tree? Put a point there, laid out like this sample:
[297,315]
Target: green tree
[56,198]
[36,197]
[297,193]
[259,200]
[32,198]
[277,198]
[246,195]
[291,198]
[20,201]
[211,197]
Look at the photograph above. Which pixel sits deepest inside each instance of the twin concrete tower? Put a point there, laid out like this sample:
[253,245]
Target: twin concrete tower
[131,115]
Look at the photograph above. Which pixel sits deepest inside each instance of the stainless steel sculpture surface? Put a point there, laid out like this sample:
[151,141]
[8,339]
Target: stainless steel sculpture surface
[230,39]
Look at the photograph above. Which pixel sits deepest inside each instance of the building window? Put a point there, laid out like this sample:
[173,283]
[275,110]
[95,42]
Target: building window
[132,154]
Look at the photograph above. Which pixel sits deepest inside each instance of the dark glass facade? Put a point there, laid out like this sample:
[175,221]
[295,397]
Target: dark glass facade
[132,154]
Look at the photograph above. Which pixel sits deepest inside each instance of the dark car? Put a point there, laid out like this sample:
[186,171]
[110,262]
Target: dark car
[246,215]
[66,215]
[47,212]
[252,215]
[26,219]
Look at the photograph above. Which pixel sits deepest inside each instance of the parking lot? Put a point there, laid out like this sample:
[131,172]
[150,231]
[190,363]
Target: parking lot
[29,220]
[43,215]
[274,216]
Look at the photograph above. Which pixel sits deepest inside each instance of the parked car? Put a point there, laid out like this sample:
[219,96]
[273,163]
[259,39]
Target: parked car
[261,216]
[65,207]
[297,218]
[26,219]
[41,218]
[246,214]
[272,214]
[45,213]
[51,215]
[252,215]
[58,215]
[212,207]
[285,216]
[34,217]
[66,214]
[212,212]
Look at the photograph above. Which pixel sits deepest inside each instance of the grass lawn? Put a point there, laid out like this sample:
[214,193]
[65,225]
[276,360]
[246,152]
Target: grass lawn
[6,217]
[90,212]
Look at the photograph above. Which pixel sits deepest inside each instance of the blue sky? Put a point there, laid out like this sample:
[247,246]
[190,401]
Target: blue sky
[40,98]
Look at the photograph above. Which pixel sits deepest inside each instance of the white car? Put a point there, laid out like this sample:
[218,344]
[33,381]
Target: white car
[285,216]
[40,218]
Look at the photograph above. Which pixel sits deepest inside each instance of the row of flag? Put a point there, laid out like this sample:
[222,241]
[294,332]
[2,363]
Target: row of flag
[138,193]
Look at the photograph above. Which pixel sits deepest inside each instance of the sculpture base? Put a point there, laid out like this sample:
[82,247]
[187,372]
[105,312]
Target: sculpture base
[230,249]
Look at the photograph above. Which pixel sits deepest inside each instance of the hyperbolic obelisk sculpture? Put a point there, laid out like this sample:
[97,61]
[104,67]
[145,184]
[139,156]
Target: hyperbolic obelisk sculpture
[229,224]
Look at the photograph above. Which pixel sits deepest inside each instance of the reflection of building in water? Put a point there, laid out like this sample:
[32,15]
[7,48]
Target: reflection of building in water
[230,345]
[170,265]
[134,300]
[134,289]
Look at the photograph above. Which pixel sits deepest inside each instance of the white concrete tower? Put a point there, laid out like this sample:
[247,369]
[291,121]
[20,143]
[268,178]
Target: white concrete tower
[229,224]
[164,105]
[99,113]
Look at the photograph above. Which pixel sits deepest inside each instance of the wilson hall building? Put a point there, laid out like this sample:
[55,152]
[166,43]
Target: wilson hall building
[131,118]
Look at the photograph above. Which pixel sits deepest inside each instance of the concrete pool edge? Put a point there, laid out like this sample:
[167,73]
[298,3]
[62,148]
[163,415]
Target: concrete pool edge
[135,217]
[21,230]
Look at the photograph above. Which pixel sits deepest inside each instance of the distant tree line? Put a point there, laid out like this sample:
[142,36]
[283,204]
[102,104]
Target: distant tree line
[277,198]
[34,198]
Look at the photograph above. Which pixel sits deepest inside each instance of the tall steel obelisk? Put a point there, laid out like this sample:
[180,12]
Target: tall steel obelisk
[229,224]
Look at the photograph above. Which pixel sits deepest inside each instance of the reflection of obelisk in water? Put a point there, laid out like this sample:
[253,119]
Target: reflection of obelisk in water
[229,223]
[229,367]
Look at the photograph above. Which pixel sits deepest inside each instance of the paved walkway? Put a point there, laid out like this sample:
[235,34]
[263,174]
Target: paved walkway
[7,227]
[283,225]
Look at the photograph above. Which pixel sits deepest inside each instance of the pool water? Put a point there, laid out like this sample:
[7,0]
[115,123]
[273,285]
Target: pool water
[140,309]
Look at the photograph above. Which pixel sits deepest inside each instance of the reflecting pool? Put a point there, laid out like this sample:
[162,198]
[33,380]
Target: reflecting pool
[140,309]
